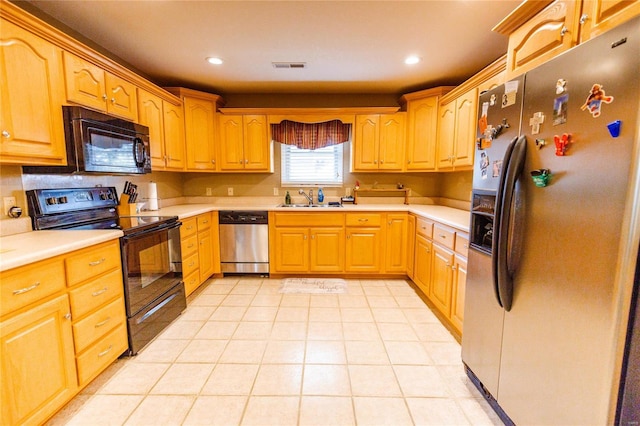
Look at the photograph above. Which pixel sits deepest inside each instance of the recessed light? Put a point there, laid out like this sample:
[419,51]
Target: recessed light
[214,61]
[412,60]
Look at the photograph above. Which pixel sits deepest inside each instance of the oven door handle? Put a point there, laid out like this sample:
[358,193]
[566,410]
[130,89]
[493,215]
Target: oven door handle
[159,228]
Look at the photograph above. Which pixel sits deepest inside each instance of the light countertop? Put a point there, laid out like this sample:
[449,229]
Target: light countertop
[28,247]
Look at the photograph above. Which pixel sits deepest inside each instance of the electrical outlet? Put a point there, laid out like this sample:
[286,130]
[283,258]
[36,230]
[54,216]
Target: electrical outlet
[208,191]
[7,203]
[230,191]
[275,191]
[347,191]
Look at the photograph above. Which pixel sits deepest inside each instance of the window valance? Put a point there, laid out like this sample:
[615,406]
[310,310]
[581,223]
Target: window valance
[311,135]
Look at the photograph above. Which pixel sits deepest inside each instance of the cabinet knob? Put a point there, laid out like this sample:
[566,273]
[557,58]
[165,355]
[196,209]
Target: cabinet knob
[6,134]
[453,268]
[375,161]
[68,316]
[113,101]
[313,236]
[304,237]
[104,97]
[246,161]
[563,31]
[583,19]
[213,161]
[381,161]
[408,161]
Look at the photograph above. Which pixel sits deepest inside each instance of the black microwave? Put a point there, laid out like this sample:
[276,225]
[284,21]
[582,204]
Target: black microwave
[100,143]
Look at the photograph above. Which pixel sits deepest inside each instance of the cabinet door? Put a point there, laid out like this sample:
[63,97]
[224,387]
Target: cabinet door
[423,131]
[442,279]
[150,114]
[423,264]
[291,250]
[174,136]
[32,90]
[551,32]
[121,98]
[257,155]
[327,250]
[411,245]
[231,142]
[363,250]
[85,82]
[205,254]
[458,292]
[392,141]
[602,15]
[396,243]
[38,373]
[366,142]
[465,129]
[199,118]
[446,135]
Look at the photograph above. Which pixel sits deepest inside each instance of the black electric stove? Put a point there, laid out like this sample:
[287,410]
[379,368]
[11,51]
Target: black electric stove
[86,208]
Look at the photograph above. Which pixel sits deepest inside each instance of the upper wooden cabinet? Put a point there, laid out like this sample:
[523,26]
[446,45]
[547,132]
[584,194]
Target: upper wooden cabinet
[457,131]
[599,16]
[422,124]
[244,143]
[174,136]
[89,85]
[538,33]
[201,136]
[31,93]
[379,142]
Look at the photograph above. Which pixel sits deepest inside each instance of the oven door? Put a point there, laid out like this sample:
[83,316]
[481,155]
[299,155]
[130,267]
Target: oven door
[151,265]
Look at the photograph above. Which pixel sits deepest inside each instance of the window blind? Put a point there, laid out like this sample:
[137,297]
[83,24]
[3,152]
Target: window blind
[321,166]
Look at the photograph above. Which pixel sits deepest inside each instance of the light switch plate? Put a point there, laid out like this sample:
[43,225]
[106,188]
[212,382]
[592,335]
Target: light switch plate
[7,203]
[230,191]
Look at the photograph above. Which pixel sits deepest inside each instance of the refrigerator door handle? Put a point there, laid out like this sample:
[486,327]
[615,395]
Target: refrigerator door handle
[503,277]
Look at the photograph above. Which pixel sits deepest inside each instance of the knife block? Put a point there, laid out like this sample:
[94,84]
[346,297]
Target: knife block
[124,208]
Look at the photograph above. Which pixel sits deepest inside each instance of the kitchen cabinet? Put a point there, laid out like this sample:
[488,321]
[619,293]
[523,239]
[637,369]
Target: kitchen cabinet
[244,143]
[201,136]
[200,248]
[458,291]
[89,85]
[307,242]
[599,16]
[364,242]
[457,131]
[32,87]
[396,245]
[62,322]
[441,279]
[411,245]
[173,136]
[379,142]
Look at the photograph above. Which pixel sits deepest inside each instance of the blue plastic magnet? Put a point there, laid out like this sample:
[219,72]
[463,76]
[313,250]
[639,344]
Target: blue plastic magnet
[614,128]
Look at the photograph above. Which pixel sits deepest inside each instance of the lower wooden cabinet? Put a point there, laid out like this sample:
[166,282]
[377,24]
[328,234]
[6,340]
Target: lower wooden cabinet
[62,323]
[363,249]
[38,369]
[422,268]
[200,247]
[458,291]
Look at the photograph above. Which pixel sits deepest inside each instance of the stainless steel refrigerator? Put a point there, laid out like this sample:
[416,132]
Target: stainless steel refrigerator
[555,230]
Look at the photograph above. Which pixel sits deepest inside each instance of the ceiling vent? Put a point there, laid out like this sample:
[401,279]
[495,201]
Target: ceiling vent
[289,65]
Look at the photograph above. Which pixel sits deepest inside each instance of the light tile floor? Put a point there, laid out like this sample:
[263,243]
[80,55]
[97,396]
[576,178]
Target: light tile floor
[244,354]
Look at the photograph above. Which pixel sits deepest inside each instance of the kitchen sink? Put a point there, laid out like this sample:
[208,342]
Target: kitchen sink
[311,205]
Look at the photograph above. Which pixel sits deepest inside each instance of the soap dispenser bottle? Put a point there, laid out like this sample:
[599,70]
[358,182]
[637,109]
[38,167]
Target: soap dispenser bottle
[287,198]
[320,196]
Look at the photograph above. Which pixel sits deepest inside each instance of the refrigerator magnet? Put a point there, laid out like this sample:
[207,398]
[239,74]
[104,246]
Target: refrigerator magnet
[595,100]
[614,128]
[484,164]
[535,122]
[560,107]
[561,86]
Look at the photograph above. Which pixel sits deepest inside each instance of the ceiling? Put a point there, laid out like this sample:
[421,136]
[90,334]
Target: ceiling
[349,47]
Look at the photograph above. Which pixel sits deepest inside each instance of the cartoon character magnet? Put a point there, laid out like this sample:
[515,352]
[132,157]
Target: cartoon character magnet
[595,99]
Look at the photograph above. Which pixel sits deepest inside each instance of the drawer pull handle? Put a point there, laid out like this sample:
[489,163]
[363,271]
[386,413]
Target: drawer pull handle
[466,246]
[190,245]
[99,292]
[363,220]
[26,289]
[191,264]
[205,221]
[442,236]
[97,262]
[106,351]
[100,324]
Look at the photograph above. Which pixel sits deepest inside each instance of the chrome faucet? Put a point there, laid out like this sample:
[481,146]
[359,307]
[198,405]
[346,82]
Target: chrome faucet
[308,197]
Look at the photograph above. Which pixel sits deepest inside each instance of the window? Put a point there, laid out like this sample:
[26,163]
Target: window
[321,166]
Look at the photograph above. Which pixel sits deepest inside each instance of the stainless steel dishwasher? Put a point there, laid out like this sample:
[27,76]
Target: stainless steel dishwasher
[244,241]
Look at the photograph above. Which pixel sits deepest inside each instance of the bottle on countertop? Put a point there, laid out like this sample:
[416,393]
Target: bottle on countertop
[320,196]
[287,198]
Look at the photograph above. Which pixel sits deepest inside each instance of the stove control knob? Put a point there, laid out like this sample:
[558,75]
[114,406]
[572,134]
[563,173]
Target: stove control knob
[62,200]
[51,200]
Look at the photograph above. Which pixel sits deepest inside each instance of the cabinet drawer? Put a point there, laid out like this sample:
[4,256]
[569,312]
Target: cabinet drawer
[462,244]
[190,264]
[99,323]
[104,352]
[444,236]
[309,219]
[424,227]
[189,227]
[363,219]
[97,292]
[204,221]
[92,262]
[189,245]
[191,282]
[28,284]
